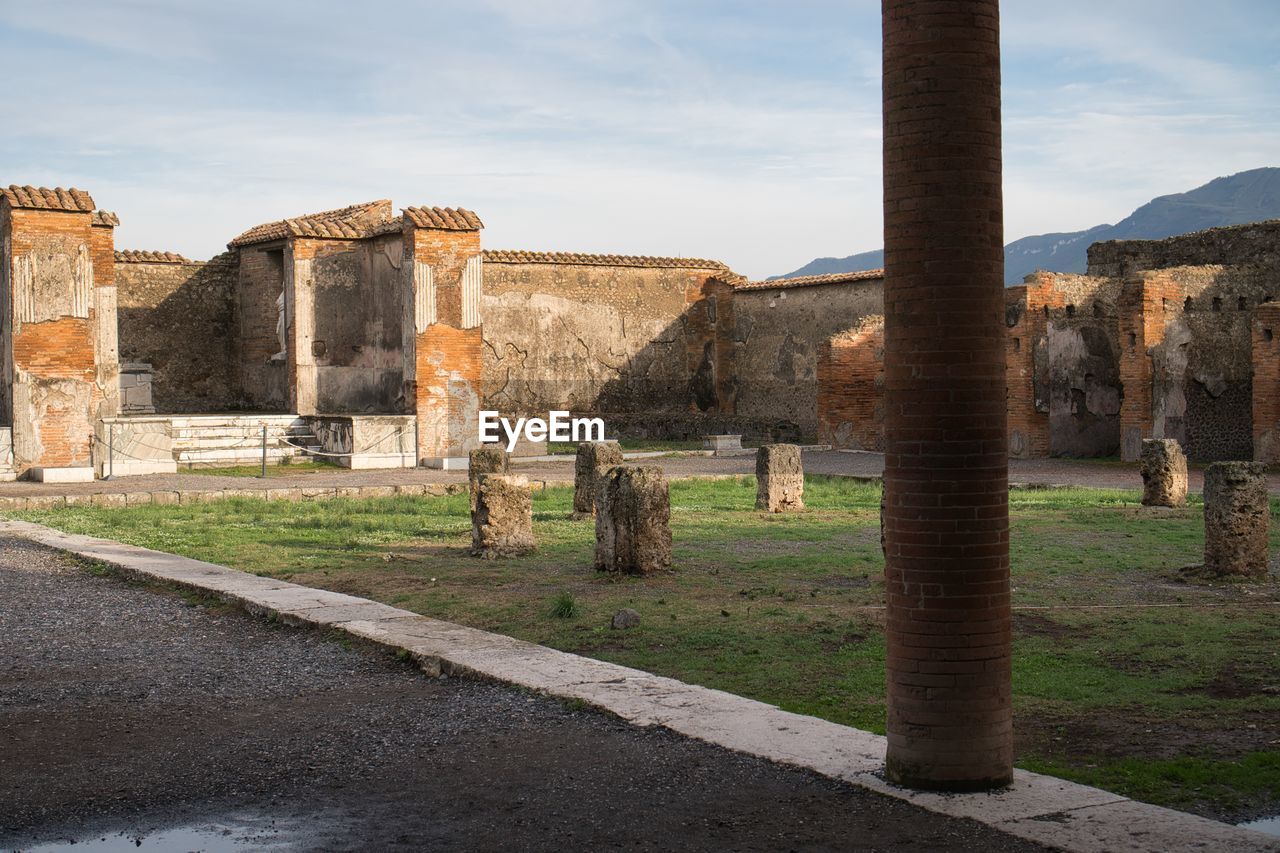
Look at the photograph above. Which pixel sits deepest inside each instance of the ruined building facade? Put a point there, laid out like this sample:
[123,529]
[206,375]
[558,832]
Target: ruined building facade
[379,333]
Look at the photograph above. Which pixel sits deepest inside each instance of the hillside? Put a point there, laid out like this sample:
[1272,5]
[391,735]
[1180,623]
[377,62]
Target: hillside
[1250,196]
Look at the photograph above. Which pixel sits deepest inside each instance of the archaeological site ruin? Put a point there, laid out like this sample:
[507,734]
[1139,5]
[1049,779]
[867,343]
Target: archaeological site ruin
[374,337]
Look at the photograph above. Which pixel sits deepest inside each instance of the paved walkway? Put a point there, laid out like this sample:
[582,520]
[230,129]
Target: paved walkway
[1078,472]
[133,714]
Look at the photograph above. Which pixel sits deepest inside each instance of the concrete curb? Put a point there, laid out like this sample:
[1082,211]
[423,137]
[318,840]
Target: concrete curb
[1038,808]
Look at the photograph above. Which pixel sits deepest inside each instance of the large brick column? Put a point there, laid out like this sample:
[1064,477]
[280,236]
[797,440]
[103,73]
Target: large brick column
[946,517]
[444,343]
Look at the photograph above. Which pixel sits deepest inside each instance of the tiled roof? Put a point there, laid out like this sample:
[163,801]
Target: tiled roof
[507,256]
[43,198]
[348,223]
[134,256]
[444,218]
[810,280]
[106,218]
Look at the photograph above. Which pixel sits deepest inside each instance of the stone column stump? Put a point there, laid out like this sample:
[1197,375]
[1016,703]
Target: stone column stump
[1237,518]
[502,522]
[593,459]
[633,521]
[485,460]
[779,478]
[1164,473]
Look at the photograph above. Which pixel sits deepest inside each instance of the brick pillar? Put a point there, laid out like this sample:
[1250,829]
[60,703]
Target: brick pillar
[1147,302]
[946,516]
[50,346]
[1027,364]
[443,337]
[106,397]
[1266,383]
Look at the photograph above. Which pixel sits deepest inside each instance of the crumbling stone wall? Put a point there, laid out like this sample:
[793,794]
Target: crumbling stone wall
[606,335]
[779,331]
[1255,244]
[179,316]
[850,387]
[357,293]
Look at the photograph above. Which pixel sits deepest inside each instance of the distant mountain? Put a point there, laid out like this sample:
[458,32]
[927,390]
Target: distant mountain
[1250,196]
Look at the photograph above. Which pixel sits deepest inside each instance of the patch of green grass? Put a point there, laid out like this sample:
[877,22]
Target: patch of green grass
[565,606]
[1122,664]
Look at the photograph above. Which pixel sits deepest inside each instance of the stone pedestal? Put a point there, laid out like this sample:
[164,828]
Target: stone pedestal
[1237,516]
[502,520]
[485,460]
[593,459]
[779,478]
[1164,473]
[633,521]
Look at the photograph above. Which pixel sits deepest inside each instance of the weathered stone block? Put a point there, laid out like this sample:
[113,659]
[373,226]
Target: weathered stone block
[633,521]
[593,459]
[1237,517]
[502,521]
[485,460]
[1164,473]
[779,478]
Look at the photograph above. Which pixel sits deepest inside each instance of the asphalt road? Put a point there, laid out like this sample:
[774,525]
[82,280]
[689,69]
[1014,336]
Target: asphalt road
[134,719]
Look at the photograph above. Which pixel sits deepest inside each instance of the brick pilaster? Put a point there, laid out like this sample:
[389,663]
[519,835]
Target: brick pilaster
[1266,382]
[946,521]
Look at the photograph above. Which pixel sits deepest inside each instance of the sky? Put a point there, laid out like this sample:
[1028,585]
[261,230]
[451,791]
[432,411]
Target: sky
[744,131]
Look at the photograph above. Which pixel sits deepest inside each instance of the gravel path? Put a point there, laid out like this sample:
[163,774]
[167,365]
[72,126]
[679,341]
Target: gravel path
[1079,472]
[135,711]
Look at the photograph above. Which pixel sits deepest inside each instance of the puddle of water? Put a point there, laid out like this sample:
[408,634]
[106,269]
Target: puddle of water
[1269,825]
[210,837]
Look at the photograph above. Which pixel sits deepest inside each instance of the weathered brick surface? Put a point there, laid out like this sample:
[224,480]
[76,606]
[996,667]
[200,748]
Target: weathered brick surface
[502,520]
[1164,473]
[1237,518]
[850,399]
[1265,357]
[592,460]
[779,478]
[946,454]
[633,521]
[51,334]
[481,461]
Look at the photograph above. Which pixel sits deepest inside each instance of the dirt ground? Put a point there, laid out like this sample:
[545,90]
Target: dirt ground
[135,715]
[1077,472]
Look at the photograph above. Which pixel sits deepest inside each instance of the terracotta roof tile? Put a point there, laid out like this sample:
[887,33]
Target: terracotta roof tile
[106,218]
[811,280]
[508,256]
[350,223]
[443,218]
[43,198]
[134,256]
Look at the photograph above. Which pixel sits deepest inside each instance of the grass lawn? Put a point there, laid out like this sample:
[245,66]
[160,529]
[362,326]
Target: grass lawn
[1128,674]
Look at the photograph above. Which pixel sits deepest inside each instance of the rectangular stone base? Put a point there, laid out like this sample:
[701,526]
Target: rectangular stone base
[62,475]
[447,463]
[366,461]
[135,468]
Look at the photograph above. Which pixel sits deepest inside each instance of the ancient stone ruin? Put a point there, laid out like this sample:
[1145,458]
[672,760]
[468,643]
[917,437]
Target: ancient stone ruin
[1164,473]
[481,461]
[502,521]
[779,478]
[1237,518]
[593,459]
[633,521]
[376,335]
